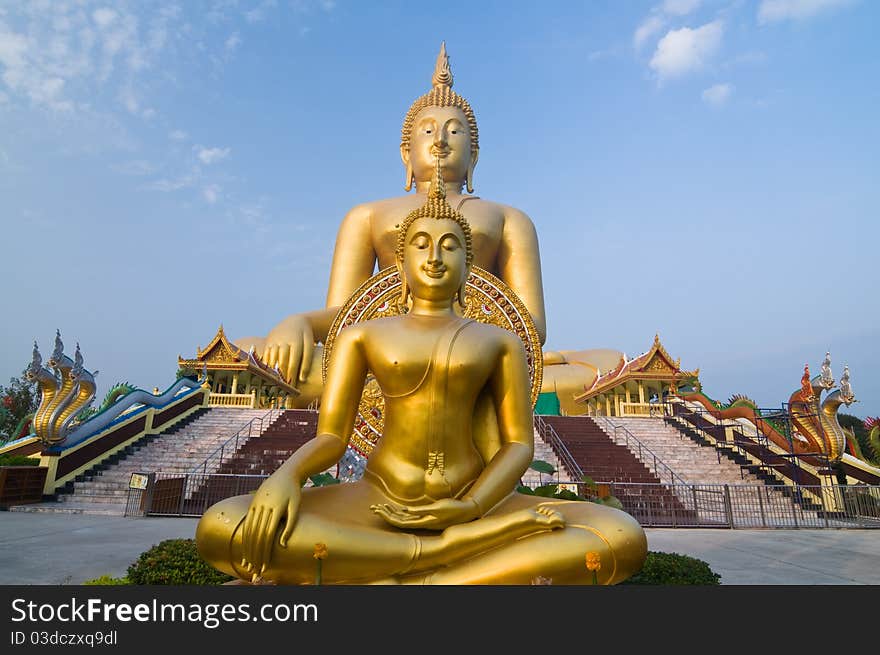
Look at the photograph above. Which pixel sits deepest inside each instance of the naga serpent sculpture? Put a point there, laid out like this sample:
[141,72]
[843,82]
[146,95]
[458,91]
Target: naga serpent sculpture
[63,393]
[816,423]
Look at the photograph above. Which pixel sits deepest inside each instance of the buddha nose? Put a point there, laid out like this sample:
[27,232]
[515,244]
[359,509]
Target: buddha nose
[440,136]
[435,256]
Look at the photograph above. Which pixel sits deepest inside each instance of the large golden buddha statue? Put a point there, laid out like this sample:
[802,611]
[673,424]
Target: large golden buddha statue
[436,503]
[440,124]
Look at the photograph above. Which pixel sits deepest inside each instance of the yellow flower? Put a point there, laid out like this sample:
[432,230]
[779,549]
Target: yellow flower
[594,562]
[320,551]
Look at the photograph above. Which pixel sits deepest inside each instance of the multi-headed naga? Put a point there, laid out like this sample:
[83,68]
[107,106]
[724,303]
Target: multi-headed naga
[64,392]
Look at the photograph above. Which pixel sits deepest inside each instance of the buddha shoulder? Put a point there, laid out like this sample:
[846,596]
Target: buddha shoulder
[379,209]
[500,340]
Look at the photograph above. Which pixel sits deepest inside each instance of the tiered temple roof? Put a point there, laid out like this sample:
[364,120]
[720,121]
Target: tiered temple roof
[221,355]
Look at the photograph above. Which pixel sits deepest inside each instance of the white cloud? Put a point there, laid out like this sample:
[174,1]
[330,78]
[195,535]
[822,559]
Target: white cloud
[680,7]
[258,13]
[211,193]
[136,167]
[211,155]
[717,95]
[649,27]
[233,42]
[104,17]
[178,135]
[12,55]
[167,185]
[129,100]
[686,50]
[62,54]
[773,11]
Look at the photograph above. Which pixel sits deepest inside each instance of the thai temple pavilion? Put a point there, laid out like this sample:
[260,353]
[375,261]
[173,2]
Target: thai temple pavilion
[238,378]
[635,387]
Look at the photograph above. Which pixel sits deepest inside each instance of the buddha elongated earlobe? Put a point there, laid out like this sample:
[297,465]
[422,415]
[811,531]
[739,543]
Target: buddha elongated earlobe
[410,177]
[402,302]
[460,295]
[470,171]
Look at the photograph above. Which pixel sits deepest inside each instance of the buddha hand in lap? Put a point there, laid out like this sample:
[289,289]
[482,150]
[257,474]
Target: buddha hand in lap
[430,509]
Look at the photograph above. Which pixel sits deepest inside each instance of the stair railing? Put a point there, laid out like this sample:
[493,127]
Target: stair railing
[231,445]
[686,416]
[549,435]
[640,450]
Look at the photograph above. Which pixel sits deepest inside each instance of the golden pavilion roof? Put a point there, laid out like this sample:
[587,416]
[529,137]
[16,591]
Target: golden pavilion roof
[222,355]
[654,364]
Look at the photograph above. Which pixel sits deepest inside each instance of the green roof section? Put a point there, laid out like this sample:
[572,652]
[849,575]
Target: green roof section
[548,404]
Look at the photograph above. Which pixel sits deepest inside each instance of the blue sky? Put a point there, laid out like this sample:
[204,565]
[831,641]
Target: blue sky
[705,169]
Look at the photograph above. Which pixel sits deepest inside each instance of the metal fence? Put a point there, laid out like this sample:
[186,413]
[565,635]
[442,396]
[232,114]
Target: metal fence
[750,506]
[652,505]
[190,494]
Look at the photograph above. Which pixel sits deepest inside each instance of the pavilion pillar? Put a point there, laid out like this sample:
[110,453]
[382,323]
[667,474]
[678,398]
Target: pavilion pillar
[234,382]
[607,405]
[641,393]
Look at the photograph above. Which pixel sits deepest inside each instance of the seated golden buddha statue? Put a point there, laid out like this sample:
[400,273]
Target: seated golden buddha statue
[442,124]
[434,505]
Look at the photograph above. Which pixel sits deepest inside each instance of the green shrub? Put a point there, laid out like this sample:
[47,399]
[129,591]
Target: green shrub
[19,460]
[107,580]
[174,562]
[674,569]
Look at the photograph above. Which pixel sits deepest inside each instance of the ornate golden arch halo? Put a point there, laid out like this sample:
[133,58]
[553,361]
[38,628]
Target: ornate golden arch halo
[487,300]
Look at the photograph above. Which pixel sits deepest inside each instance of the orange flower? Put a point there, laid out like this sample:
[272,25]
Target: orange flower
[594,562]
[320,551]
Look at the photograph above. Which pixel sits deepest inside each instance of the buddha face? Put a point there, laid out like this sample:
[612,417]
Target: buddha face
[440,132]
[434,258]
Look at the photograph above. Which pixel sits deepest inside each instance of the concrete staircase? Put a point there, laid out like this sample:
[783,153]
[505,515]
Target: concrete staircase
[690,461]
[606,461]
[104,490]
[544,452]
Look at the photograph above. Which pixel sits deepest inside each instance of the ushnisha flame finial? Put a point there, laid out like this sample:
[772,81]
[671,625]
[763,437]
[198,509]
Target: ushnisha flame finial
[442,73]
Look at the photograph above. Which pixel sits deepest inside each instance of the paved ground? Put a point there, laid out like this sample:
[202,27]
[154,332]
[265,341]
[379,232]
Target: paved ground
[45,548]
[779,557]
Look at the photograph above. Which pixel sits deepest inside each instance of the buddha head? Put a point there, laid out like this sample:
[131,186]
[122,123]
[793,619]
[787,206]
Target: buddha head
[440,124]
[434,247]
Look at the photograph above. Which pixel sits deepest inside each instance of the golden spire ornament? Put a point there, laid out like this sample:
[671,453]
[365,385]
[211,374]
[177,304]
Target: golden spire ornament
[442,73]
